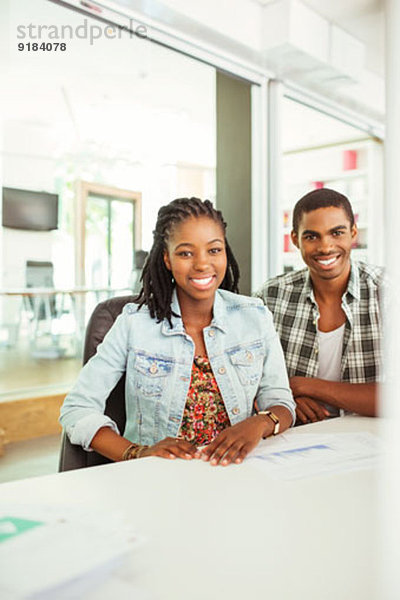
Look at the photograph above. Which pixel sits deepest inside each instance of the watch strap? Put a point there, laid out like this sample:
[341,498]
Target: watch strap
[274,419]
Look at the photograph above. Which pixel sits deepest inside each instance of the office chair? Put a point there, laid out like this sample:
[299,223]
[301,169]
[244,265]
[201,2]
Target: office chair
[40,274]
[73,456]
[139,260]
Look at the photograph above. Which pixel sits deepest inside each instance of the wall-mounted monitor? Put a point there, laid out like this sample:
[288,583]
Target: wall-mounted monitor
[25,209]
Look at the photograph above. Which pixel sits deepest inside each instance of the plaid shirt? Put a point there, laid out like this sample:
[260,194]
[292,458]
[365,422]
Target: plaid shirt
[291,300]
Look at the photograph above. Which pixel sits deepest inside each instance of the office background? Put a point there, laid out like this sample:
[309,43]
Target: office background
[247,102]
[250,104]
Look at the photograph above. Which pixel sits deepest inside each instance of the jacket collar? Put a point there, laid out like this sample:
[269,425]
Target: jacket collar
[219,316]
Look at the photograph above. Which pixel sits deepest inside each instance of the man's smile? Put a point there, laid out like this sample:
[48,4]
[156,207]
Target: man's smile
[327,261]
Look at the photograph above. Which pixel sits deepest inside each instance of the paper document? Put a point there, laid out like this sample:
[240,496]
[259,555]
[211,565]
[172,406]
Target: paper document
[47,552]
[299,455]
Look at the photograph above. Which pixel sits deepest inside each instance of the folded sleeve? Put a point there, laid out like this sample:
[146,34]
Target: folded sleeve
[82,413]
[274,389]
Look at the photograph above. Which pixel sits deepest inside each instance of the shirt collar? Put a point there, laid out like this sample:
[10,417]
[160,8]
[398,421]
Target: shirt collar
[353,286]
[308,290]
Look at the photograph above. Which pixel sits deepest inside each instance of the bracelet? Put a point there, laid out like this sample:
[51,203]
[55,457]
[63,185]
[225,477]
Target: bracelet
[140,451]
[133,451]
[127,451]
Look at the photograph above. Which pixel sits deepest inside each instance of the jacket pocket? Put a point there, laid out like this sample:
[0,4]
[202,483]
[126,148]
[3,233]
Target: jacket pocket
[247,362]
[151,374]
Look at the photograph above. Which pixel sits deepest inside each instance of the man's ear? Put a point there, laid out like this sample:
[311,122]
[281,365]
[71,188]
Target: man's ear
[167,262]
[354,232]
[295,238]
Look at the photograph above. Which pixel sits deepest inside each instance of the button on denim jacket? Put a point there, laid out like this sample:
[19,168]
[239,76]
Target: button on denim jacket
[244,352]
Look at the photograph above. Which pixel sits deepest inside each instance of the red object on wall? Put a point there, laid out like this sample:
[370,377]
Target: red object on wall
[286,218]
[349,160]
[318,185]
[286,242]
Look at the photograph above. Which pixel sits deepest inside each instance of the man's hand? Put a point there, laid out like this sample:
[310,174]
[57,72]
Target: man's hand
[361,398]
[309,410]
[171,448]
[234,443]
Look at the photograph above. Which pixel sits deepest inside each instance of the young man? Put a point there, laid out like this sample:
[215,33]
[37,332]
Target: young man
[328,315]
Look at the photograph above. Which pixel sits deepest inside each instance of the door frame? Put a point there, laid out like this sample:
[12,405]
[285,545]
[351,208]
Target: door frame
[83,189]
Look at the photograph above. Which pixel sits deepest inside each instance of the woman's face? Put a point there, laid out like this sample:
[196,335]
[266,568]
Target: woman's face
[196,256]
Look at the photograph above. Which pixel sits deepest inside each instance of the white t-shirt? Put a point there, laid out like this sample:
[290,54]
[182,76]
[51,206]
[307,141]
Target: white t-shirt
[330,357]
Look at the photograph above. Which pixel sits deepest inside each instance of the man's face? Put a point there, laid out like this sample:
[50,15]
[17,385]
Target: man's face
[324,239]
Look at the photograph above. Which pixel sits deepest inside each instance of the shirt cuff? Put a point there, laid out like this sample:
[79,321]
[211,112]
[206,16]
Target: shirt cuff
[86,428]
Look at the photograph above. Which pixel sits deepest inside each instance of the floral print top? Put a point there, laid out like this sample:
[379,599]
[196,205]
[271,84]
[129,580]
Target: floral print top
[205,414]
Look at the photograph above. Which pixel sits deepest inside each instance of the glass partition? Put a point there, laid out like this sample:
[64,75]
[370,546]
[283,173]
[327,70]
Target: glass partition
[322,151]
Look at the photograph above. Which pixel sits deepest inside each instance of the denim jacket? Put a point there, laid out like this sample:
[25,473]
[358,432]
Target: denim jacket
[244,352]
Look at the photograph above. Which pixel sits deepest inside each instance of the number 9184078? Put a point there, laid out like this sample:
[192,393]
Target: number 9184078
[43,46]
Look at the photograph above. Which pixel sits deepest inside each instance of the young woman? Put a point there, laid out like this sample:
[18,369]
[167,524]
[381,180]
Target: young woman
[199,358]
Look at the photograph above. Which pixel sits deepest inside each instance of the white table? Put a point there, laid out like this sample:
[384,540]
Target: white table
[231,532]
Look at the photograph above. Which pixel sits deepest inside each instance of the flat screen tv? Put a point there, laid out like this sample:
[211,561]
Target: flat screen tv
[24,209]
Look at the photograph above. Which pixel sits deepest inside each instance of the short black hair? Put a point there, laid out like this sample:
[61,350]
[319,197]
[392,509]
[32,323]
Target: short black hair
[321,198]
[157,280]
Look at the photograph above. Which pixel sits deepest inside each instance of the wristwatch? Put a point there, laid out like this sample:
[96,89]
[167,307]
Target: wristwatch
[273,417]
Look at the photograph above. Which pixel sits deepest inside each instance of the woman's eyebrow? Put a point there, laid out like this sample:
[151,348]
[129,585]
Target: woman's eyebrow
[192,245]
[216,240]
[183,244]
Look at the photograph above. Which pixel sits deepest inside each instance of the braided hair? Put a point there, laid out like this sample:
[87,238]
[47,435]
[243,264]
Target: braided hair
[157,280]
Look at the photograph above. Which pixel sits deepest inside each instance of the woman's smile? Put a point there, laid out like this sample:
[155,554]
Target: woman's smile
[202,282]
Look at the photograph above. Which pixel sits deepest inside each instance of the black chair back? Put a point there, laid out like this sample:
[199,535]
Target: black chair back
[103,317]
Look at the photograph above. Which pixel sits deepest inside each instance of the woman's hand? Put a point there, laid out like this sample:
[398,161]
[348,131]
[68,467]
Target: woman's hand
[171,448]
[234,443]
